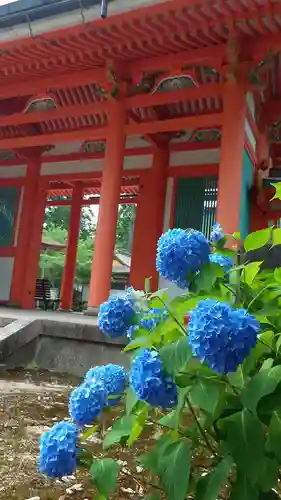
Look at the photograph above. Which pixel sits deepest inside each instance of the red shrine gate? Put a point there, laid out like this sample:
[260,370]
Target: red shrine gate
[171,106]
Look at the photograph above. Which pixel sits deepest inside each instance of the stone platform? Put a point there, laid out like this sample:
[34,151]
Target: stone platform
[63,342]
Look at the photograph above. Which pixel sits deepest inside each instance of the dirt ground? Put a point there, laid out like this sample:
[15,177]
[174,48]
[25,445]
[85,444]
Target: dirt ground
[29,405]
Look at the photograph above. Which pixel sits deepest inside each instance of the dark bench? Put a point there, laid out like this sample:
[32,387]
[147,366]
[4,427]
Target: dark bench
[44,294]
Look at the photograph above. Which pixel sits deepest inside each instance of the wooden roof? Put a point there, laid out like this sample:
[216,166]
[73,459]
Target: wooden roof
[173,56]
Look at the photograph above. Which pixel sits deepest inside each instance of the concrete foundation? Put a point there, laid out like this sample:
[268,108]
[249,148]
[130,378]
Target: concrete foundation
[62,342]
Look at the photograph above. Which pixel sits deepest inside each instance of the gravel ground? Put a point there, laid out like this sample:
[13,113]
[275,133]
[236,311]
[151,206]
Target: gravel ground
[29,404]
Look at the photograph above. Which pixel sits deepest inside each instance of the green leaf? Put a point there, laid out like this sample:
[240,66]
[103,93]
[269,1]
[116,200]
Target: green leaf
[151,459]
[104,474]
[243,489]
[269,495]
[209,486]
[257,239]
[259,386]
[154,495]
[245,441]
[208,275]
[174,470]
[268,404]
[277,274]
[250,272]
[88,433]
[237,236]
[130,400]
[139,342]
[268,477]
[276,240]
[273,443]
[175,356]
[141,416]
[205,394]
[277,195]
[267,364]
[122,428]
[99,496]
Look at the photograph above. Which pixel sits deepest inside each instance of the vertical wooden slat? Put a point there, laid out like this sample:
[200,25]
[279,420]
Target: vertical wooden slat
[195,205]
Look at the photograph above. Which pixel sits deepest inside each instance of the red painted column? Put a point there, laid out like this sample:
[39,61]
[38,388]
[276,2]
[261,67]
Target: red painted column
[231,157]
[33,255]
[26,212]
[72,246]
[108,209]
[149,220]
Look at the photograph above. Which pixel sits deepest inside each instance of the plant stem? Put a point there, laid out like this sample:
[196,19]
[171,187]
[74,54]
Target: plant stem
[200,428]
[257,296]
[172,316]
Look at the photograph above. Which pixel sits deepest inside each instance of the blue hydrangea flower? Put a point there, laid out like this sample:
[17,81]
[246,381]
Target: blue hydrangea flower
[86,402]
[58,448]
[149,381]
[148,320]
[116,315]
[221,336]
[221,260]
[113,378]
[180,254]
[217,233]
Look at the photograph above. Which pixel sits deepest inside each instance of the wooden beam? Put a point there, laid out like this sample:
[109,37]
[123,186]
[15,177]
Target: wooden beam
[88,134]
[65,203]
[176,61]
[35,86]
[147,150]
[80,176]
[139,101]
[174,124]
[210,90]
[54,114]
[94,133]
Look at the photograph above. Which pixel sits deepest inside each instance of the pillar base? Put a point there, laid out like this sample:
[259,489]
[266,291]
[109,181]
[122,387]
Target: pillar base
[91,311]
[61,309]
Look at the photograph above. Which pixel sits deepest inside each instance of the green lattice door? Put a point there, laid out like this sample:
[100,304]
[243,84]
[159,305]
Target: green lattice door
[195,204]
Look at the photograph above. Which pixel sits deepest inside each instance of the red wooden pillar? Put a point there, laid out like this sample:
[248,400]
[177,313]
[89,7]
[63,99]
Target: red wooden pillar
[26,212]
[33,255]
[149,220]
[71,251]
[231,159]
[100,283]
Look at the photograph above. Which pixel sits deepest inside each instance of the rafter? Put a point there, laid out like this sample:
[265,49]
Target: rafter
[36,86]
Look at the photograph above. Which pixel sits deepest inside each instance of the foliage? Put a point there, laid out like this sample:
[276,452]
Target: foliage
[124,230]
[56,228]
[232,420]
[52,261]
[59,217]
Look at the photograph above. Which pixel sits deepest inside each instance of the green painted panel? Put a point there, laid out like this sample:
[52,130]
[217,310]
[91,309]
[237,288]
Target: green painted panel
[195,204]
[247,177]
[8,207]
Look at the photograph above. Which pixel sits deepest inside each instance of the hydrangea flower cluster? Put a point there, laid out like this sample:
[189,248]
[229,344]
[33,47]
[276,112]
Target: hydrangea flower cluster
[223,261]
[217,233]
[221,336]
[58,450]
[180,254]
[149,381]
[148,320]
[113,378]
[86,402]
[116,315]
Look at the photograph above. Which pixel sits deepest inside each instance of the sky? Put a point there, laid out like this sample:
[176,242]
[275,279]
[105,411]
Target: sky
[4,2]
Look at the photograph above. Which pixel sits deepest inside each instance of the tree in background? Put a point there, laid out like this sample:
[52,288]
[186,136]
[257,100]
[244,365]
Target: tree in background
[59,217]
[125,226]
[56,229]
